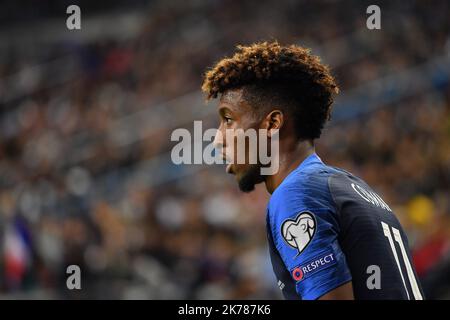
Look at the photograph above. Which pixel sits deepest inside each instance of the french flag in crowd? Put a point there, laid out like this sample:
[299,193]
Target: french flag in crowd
[17,252]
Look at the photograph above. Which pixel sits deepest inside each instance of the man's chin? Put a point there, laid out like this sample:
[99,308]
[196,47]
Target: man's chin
[249,179]
[246,187]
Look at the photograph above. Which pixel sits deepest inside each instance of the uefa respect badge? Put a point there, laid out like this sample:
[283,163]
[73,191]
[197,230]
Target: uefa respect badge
[315,265]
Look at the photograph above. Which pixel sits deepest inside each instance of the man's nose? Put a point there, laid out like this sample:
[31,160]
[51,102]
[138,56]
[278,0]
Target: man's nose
[219,142]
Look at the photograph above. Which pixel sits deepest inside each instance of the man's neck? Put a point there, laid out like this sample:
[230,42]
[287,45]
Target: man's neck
[289,160]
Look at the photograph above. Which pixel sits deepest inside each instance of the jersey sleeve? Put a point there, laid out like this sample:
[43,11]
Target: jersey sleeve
[305,230]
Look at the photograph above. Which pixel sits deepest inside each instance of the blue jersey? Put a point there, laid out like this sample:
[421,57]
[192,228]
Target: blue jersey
[327,227]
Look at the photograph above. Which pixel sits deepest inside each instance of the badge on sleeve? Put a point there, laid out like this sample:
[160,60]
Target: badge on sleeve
[299,232]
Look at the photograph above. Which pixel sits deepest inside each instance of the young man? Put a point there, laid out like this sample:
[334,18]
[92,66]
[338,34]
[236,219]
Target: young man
[330,235]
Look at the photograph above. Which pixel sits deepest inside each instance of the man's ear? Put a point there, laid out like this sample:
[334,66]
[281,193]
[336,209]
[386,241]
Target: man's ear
[273,121]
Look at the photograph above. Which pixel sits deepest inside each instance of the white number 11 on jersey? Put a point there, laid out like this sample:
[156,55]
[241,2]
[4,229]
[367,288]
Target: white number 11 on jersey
[411,277]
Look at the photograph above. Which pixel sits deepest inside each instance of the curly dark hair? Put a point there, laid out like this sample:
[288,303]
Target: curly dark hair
[273,75]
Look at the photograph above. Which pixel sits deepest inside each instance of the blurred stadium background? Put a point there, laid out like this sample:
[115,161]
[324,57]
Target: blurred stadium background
[85,123]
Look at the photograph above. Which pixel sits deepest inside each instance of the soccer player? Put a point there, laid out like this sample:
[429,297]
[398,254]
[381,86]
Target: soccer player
[330,235]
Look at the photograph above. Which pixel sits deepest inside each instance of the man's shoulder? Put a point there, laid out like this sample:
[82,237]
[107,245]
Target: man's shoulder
[306,188]
[310,180]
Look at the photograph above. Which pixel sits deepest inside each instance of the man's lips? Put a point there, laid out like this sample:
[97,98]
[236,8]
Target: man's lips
[229,163]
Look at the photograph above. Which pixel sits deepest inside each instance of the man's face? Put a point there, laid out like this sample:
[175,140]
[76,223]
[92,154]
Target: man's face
[236,114]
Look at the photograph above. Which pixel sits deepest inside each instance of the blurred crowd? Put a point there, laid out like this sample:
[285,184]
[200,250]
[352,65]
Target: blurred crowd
[85,172]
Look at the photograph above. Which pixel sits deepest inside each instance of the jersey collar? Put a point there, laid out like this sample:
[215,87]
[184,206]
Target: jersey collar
[312,158]
[308,161]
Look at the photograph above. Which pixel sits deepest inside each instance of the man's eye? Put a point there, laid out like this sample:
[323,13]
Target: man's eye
[228,120]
